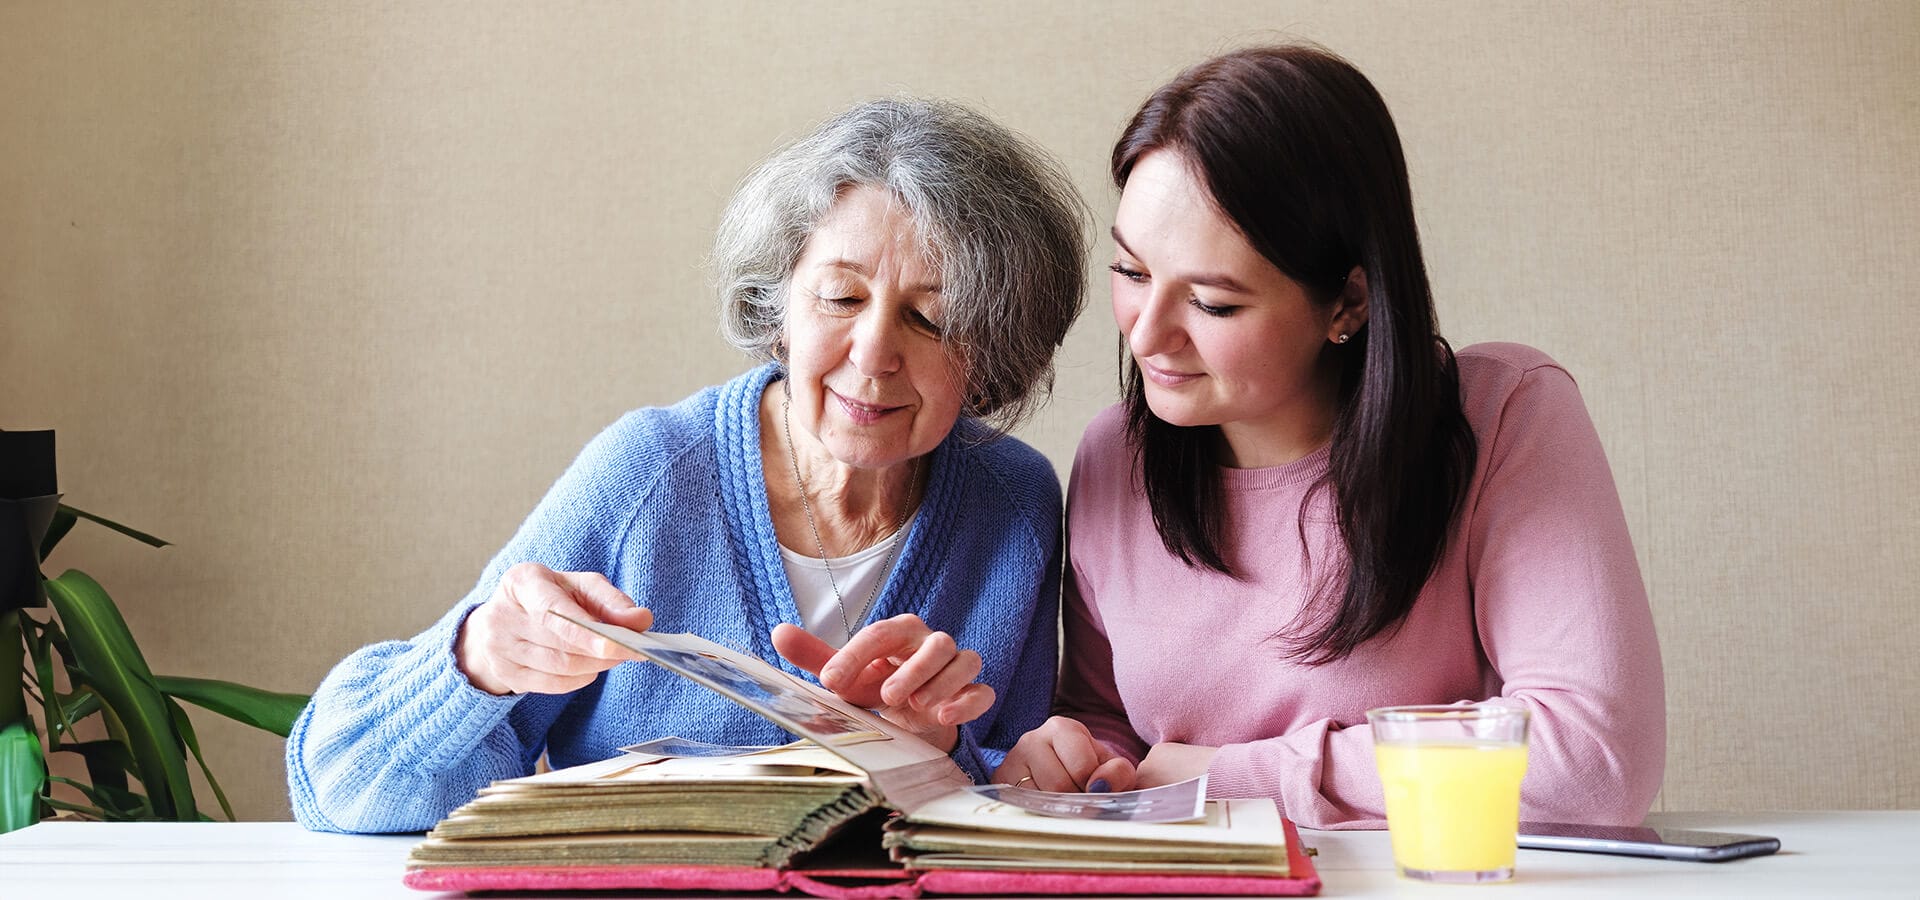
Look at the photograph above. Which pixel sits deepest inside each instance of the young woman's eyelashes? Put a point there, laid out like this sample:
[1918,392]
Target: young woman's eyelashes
[1138,277]
[1218,312]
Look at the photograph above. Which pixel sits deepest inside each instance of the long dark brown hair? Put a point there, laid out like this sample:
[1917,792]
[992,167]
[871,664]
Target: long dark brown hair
[1298,150]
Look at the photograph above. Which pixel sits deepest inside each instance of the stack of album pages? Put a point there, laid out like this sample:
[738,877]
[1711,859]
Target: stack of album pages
[759,810]
[859,807]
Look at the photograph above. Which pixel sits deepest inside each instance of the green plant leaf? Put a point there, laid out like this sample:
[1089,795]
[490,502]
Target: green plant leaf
[63,519]
[140,536]
[111,662]
[265,710]
[108,762]
[53,712]
[14,641]
[79,705]
[23,773]
[113,804]
[64,806]
[51,634]
[185,725]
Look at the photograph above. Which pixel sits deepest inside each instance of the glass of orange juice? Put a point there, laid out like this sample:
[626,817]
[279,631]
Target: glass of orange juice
[1452,780]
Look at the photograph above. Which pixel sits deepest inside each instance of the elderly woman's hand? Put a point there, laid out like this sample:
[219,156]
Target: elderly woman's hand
[911,674]
[512,645]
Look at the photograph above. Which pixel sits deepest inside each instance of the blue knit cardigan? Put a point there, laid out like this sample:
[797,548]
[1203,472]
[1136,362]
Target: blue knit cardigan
[671,506]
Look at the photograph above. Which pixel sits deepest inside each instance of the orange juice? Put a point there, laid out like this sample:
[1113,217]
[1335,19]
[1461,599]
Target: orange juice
[1453,806]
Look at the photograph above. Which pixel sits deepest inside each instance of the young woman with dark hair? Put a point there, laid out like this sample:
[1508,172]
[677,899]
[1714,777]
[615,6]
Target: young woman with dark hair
[1308,505]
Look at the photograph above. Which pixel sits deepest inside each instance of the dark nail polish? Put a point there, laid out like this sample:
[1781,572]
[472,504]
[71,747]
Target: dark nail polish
[1099,786]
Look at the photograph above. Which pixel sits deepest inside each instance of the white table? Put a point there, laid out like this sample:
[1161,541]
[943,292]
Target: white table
[1823,854]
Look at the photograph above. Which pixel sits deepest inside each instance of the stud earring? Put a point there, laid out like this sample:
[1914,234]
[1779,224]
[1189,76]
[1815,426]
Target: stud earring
[1341,338]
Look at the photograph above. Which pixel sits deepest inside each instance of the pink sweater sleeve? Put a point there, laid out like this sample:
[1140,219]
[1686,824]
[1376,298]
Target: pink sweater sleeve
[1562,611]
[1561,615]
[1086,689]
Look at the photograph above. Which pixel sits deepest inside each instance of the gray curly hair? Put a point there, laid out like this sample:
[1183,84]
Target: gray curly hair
[1003,225]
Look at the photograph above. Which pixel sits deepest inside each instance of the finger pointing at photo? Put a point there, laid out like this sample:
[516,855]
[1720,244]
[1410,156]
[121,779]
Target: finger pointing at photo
[913,675]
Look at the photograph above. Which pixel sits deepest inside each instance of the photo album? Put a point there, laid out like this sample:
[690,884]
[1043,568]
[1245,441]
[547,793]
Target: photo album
[857,807]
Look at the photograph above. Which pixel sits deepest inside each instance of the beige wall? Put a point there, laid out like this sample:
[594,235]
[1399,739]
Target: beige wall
[327,294]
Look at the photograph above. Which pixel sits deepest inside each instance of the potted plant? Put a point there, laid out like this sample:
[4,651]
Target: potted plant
[66,652]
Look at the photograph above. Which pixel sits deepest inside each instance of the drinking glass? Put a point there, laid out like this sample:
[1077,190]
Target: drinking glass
[1452,775]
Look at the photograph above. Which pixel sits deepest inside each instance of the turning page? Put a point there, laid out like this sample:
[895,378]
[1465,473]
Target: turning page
[908,771]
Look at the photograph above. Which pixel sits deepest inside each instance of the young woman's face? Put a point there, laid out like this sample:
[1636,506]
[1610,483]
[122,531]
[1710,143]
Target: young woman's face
[870,377]
[1221,336]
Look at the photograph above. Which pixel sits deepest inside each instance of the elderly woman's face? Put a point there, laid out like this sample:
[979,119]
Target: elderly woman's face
[870,377]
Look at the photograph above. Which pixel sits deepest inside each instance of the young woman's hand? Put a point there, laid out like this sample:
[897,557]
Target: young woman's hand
[1169,763]
[1062,755]
[915,676]
[511,644]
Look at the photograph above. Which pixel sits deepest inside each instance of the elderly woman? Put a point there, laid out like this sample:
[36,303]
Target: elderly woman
[905,275]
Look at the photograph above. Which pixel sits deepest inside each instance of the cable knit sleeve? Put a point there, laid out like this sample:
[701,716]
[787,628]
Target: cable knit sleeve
[1028,693]
[396,736]
[1016,620]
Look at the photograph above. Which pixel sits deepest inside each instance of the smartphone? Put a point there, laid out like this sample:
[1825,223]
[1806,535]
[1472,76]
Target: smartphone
[1664,843]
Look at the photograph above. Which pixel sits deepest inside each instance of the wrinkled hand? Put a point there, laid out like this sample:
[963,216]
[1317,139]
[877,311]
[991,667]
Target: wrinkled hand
[1062,755]
[511,644]
[915,676]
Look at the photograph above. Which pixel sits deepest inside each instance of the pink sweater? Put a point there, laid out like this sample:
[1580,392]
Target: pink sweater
[1537,602]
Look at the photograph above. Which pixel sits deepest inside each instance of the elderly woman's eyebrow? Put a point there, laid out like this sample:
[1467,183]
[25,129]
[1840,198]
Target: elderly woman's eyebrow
[844,263]
[859,268]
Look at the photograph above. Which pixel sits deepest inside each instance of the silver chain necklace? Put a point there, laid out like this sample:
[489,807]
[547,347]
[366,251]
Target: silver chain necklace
[893,540]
